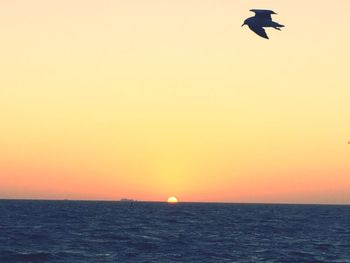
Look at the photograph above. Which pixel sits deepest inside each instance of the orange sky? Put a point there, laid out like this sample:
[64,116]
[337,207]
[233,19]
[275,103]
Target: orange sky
[151,99]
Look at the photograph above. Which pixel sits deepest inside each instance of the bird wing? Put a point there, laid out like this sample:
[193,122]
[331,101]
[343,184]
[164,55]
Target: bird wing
[263,14]
[259,31]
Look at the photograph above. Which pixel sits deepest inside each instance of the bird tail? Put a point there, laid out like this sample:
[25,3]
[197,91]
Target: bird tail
[278,26]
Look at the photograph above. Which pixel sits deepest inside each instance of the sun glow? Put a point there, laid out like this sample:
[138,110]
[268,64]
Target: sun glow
[172,200]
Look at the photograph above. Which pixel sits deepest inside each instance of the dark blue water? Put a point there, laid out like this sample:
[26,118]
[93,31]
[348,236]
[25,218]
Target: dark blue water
[65,231]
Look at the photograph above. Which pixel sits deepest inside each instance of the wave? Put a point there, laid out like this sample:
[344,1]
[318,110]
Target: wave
[15,256]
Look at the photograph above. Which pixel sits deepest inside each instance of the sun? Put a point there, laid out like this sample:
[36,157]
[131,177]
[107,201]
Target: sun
[172,200]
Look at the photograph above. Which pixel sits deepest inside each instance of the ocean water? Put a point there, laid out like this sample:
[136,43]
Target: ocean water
[98,232]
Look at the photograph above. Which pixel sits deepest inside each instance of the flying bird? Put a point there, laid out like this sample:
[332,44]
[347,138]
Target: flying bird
[261,19]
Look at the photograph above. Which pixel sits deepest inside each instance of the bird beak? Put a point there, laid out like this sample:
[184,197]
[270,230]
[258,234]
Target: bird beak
[243,25]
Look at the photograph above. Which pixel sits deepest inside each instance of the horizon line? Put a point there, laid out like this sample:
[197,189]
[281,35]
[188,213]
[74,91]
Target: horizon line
[185,202]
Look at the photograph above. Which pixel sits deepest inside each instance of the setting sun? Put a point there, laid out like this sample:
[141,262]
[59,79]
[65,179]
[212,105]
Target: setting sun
[172,200]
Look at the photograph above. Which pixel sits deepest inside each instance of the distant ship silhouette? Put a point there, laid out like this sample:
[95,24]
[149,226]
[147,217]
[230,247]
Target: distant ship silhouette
[127,200]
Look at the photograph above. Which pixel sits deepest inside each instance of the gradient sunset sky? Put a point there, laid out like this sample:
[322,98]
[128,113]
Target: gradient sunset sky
[148,99]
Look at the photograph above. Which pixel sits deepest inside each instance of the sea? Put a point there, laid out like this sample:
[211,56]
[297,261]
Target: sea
[106,232]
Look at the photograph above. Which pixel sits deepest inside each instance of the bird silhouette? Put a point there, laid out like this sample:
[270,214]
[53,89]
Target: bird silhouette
[261,19]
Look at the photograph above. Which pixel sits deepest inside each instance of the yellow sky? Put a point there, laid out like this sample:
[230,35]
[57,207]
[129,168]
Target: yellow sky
[158,98]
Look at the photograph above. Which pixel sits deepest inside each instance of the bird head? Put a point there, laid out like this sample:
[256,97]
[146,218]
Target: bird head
[245,22]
